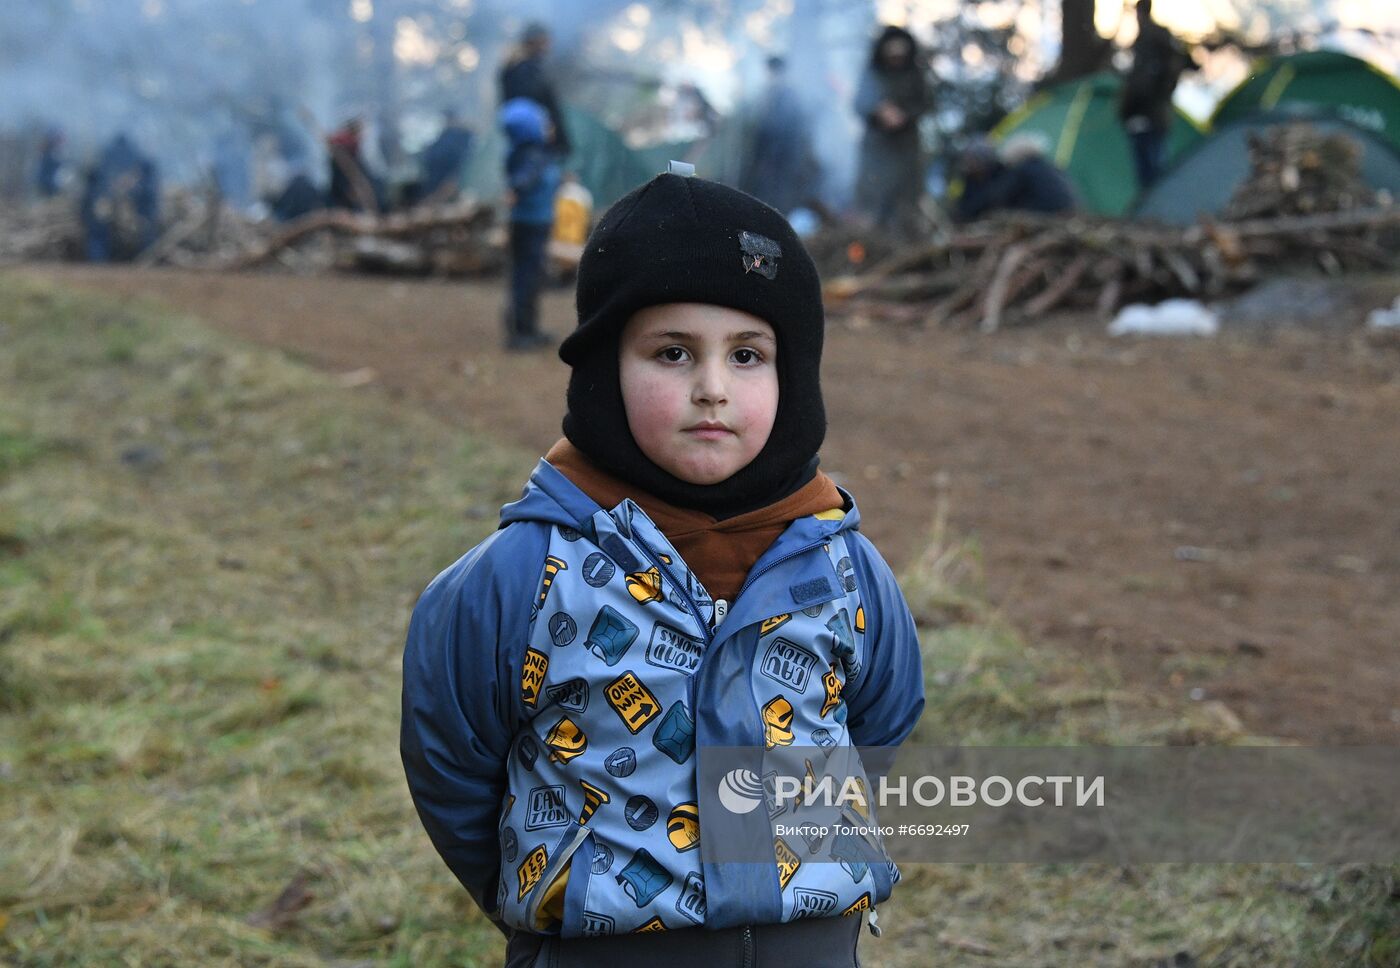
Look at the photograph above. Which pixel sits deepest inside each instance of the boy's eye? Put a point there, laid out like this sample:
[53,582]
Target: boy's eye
[673,354]
[746,357]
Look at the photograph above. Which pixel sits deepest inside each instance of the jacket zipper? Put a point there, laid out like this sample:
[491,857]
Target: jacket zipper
[748,947]
[694,610]
[773,564]
[690,605]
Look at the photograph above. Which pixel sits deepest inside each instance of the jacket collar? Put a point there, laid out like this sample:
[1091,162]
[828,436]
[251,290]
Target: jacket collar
[794,577]
[551,497]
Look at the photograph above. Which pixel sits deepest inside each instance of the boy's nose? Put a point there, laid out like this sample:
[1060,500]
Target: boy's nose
[709,389]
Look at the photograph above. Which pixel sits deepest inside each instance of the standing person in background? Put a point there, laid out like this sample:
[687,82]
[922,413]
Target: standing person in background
[145,203]
[120,202]
[1146,105]
[532,177]
[95,213]
[48,176]
[778,165]
[892,96]
[524,76]
[350,185]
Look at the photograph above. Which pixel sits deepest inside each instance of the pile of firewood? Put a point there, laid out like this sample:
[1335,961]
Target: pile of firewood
[1018,269]
[1297,170]
[1305,205]
[47,230]
[198,230]
[841,249]
[453,240]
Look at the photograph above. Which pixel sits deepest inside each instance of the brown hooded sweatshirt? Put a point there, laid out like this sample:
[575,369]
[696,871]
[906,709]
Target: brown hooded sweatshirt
[720,553]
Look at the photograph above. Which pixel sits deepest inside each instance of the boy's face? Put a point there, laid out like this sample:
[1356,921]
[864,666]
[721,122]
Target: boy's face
[700,387]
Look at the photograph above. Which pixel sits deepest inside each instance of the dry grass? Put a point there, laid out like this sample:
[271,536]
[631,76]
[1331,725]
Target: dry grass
[207,557]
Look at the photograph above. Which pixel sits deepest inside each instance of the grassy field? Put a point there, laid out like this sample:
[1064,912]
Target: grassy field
[208,553]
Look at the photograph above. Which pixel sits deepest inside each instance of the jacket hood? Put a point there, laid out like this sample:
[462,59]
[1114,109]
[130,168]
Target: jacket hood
[523,120]
[551,498]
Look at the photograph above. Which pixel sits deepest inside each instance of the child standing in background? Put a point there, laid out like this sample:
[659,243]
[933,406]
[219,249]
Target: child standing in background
[532,178]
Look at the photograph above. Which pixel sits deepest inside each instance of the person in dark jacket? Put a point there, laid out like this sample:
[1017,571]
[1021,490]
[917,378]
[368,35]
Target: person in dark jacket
[891,98]
[778,165]
[95,213]
[524,76]
[120,202]
[1019,179]
[1146,104]
[443,160]
[350,183]
[532,179]
[47,176]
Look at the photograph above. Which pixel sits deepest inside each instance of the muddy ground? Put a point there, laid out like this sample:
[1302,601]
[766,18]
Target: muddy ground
[1217,518]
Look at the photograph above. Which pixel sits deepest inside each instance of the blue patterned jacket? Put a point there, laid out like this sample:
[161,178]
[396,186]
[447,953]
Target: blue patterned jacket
[560,677]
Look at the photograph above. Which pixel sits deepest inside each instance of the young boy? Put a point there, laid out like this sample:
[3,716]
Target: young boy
[532,176]
[677,578]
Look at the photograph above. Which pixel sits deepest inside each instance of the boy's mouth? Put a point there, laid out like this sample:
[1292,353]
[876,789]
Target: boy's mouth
[709,430]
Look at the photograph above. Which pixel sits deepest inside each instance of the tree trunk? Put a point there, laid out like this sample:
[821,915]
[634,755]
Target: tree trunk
[1082,50]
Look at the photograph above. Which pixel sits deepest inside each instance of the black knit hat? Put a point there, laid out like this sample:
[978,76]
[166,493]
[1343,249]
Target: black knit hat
[687,240]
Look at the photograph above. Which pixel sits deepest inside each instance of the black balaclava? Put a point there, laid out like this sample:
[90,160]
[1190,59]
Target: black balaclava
[687,240]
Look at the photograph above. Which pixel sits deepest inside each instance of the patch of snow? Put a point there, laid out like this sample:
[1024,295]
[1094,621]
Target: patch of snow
[1385,318]
[1174,317]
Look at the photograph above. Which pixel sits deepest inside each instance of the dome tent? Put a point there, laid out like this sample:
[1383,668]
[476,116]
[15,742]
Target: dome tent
[1080,120]
[1204,180]
[1318,83]
[603,162]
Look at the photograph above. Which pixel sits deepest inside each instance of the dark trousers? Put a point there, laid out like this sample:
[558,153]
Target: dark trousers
[1149,155]
[822,943]
[97,240]
[527,254]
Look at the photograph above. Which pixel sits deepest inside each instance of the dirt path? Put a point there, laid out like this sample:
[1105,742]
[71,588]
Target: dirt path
[1220,516]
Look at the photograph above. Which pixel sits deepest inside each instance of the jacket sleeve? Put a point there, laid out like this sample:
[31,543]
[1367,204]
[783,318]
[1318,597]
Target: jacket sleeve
[888,696]
[869,94]
[529,168]
[461,670]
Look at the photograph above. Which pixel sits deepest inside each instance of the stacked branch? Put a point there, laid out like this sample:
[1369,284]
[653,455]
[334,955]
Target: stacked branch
[48,230]
[448,241]
[1305,204]
[1017,270]
[1297,170]
[199,230]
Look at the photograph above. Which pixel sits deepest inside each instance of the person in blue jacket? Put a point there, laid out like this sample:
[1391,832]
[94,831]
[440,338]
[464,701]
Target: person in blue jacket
[678,590]
[532,179]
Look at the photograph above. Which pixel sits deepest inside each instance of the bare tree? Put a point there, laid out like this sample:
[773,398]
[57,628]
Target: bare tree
[1082,50]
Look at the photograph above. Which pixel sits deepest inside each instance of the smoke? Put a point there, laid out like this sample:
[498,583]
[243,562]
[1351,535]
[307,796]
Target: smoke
[194,82]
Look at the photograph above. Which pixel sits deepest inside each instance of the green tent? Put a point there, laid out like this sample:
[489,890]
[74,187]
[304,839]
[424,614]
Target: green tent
[603,162]
[1204,180]
[1321,83]
[1079,119]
